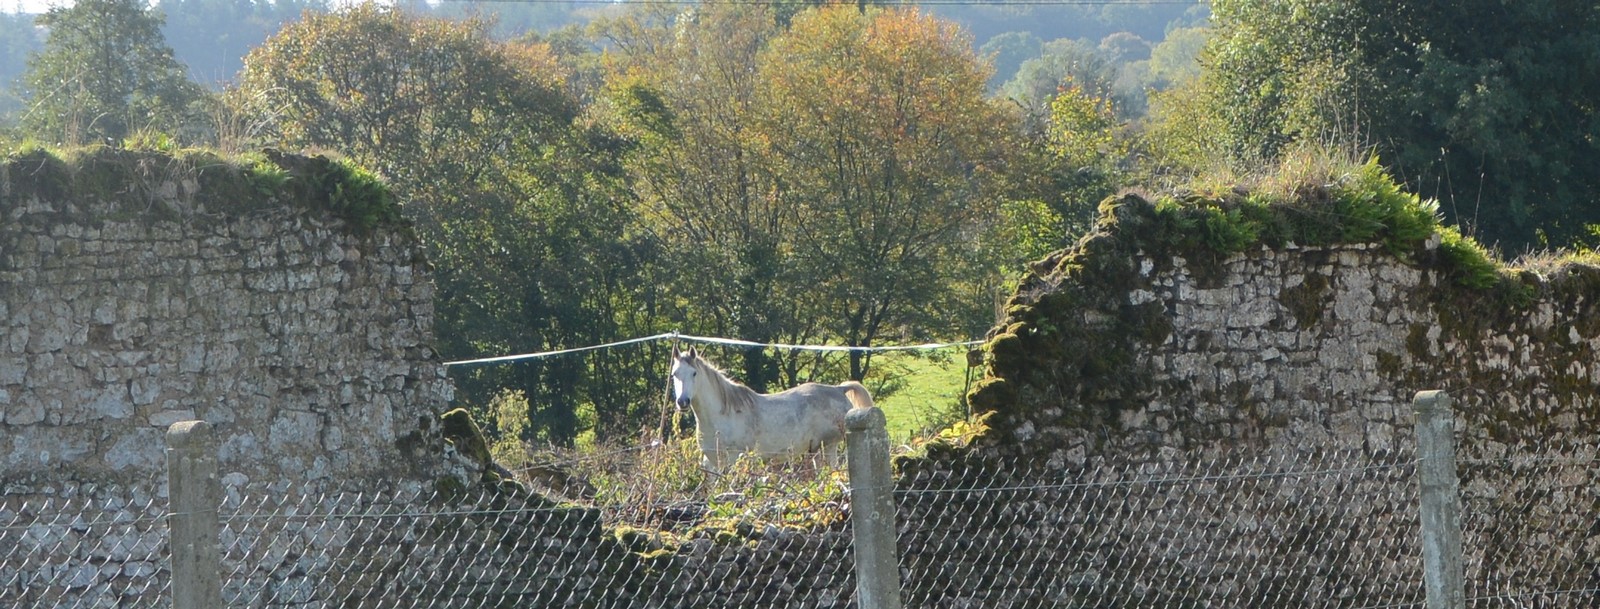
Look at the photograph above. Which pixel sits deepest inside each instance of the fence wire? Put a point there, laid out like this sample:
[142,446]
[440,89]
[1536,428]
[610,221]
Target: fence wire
[1323,529]
[406,547]
[89,548]
[479,548]
[1531,526]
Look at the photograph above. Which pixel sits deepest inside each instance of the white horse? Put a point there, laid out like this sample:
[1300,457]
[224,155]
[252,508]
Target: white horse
[732,419]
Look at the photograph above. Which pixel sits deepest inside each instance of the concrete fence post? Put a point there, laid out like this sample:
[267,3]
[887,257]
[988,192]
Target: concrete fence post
[1440,502]
[872,510]
[194,490]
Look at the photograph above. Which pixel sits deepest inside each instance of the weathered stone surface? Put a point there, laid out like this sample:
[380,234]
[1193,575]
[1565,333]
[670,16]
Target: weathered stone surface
[1349,331]
[1292,353]
[133,323]
[115,325]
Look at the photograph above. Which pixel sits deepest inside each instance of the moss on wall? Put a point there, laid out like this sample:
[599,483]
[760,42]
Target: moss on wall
[463,433]
[100,182]
[1077,326]
[1307,300]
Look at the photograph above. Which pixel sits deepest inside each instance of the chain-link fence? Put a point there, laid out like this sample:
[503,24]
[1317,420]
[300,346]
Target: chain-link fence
[429,548]
[1531,525]
[83,545]
[1331,528]
[1328,529]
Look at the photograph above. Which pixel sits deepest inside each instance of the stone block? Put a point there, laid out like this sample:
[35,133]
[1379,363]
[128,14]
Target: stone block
[25,410]
[16,339]
[194,359]
[13,370]
[113,402]
[48,335]
[74,576]
[140,569]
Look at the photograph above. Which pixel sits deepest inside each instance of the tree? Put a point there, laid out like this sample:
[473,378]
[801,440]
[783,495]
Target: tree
[1006,52]
[18,40]
[824,182]
[1486,106]
[421,101]
[522,209]
[105,72]
[1082,154]
[551,260]
[891,155]
[1125,47]
[1089,150]
[1060,61]
[1174,60]
[1503,127]
[1183,133]
[704,174]
[1281,71]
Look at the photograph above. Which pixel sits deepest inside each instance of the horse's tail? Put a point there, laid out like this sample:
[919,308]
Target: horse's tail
[857,394]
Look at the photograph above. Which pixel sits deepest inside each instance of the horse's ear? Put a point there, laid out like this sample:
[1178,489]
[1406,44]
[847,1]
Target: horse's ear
[690,353]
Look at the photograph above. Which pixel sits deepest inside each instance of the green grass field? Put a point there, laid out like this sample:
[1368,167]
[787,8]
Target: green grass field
[924,390]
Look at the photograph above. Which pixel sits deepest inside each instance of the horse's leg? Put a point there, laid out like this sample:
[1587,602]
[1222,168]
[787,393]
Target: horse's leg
[710,457]
[830,454]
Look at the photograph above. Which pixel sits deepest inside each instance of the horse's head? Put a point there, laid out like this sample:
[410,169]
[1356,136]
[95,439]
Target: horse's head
[685,371]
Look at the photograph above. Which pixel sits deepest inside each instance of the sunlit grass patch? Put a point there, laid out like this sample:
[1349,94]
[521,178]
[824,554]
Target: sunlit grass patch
[926,393]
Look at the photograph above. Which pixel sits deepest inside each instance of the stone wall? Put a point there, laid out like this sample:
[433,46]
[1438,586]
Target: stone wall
[140,289]
[1130,350]
[1116,348]
[306,344]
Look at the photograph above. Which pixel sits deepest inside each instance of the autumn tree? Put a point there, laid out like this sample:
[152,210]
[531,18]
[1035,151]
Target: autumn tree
[104,73]
[890,153]
[821,182]
[682,84]
[420,100]
[522,209]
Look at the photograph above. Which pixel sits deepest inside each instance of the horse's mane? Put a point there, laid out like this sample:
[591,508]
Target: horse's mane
[734,395]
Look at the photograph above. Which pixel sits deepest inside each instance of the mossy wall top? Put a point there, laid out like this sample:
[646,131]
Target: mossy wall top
[278,298]
[1139,341]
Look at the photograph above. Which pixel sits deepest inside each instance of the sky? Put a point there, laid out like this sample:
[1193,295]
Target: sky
[40,6]
[29,6]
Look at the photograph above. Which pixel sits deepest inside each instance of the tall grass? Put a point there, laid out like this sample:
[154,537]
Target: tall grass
[660,485]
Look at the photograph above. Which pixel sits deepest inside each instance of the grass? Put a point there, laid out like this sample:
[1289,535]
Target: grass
[659,485]
[1310,198]
[133,175]
[924,391]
